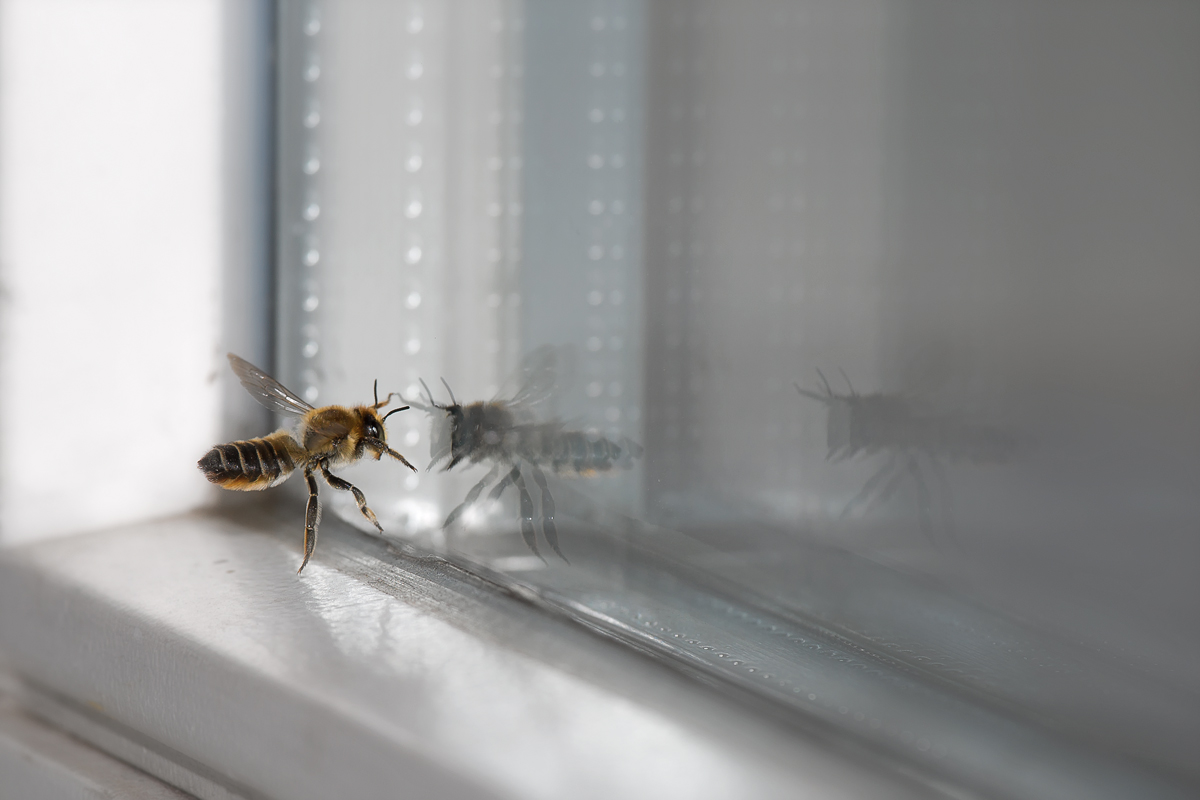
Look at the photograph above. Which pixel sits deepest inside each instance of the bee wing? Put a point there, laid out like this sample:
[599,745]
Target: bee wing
[266,390]
[538,377]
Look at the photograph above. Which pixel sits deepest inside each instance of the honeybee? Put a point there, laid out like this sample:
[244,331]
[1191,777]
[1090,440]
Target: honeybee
[892,424]
[325,438]
[506,434]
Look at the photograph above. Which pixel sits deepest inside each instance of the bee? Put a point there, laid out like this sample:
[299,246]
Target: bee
[891,424]
[325,439]
[507,434]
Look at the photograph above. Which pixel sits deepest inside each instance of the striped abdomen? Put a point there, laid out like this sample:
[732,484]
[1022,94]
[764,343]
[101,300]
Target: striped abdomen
[252,464]
[565,451]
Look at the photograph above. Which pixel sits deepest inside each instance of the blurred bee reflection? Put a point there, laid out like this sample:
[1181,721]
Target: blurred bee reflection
[509,435]
[895,426]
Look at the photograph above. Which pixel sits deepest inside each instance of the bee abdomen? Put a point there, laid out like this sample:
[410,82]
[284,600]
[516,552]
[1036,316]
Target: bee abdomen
[574,450]
[252,464]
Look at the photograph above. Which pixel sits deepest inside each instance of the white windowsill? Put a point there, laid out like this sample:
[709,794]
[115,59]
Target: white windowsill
[190,648]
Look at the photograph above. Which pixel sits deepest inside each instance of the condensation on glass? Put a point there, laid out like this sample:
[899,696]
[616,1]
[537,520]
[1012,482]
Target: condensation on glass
[892,303]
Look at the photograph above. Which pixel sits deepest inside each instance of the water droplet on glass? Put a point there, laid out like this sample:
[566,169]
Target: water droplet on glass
[594,344]
[413,209]
[412,346]
[596,207]
[413,255]
[310,394]
[312,119]
[595,252]
[312,211]
[598,23]
[414,117]
[613,414]
[412,437]
[312,27]
[416,24]
[413,164]
[493,301]
[312,166]
[413,300]
[311,302]
[415,70]
[595,297]
[594,389]
[310,349]
[596,115]
[311,258]
[595,161]
[597,69]
[494,209]
[412,482]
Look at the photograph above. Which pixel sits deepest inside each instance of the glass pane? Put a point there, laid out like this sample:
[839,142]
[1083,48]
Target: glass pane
[843,353]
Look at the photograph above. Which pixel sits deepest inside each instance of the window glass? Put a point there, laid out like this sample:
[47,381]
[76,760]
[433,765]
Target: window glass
[844,353]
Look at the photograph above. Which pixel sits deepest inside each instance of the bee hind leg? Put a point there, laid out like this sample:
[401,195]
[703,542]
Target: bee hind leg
[359,497]
[312,516]
[548,527]
[527,532]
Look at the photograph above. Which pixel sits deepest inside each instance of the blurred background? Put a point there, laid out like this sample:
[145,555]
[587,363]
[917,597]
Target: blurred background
[896,300]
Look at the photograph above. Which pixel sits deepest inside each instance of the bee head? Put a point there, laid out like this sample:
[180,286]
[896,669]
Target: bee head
[373,427]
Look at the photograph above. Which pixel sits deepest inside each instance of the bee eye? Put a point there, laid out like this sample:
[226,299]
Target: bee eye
[373,430]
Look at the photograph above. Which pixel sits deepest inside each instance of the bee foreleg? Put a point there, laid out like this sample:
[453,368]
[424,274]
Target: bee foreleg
[312,516]
[869,487]
[548,527]
[472,496]
[526,513]
[359,497]
[400,458]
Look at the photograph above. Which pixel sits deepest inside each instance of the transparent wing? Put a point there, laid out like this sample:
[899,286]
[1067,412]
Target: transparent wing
[538,377]
[266,390]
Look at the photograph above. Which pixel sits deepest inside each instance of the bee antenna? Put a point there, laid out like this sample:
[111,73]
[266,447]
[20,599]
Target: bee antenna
[448,389]
[394,410]
[376,389]
[428,393]
[825,383]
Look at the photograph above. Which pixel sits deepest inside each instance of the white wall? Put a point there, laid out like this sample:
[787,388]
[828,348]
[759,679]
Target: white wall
[110,259]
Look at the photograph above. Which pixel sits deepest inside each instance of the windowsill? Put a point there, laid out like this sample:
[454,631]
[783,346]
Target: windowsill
[189,648]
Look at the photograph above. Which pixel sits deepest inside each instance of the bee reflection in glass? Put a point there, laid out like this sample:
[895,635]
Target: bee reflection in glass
[508,435]
[325,439]
[896,426]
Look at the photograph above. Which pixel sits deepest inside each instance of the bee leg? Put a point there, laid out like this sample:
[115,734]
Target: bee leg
[923,500]
[359,497]
[400,458]
[869,487]
[547,519]
[472,496]
[514,477]
[312,515]
[527,532]
[947,503]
